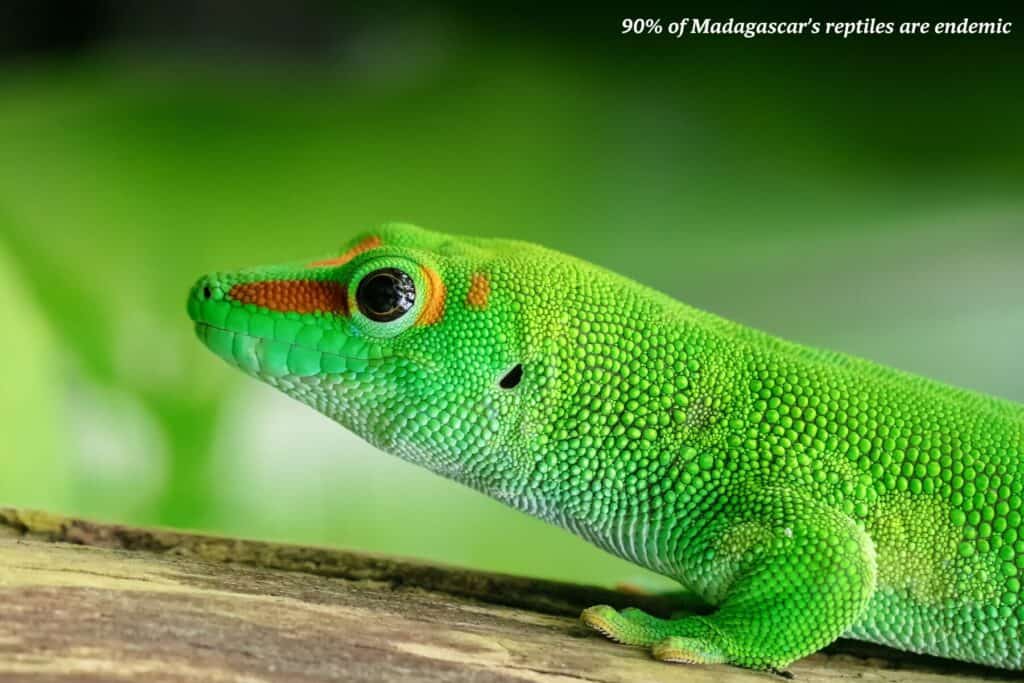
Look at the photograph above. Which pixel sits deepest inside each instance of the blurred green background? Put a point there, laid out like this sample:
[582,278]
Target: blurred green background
[864,195]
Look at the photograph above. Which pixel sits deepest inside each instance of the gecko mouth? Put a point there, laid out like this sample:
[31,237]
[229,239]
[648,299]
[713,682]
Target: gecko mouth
[278,358]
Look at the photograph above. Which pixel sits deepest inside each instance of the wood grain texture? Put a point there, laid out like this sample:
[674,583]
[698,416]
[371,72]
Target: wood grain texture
[90,602]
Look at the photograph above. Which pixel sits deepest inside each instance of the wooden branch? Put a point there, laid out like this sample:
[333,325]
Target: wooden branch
[87,601]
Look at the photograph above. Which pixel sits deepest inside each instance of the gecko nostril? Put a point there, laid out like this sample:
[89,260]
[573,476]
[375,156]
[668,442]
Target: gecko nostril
[207,292]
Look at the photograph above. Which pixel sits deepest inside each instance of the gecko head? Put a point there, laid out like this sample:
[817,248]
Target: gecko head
[414,340]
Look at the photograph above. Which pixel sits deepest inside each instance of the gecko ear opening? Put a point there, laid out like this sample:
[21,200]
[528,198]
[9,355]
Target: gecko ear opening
[512,377]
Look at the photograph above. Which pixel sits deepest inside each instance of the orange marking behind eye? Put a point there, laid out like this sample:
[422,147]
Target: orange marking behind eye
[369,243]
[479,291]
[433,308]
[300,296]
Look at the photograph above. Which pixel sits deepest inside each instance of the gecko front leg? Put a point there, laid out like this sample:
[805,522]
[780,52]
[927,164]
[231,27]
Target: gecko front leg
[799,578]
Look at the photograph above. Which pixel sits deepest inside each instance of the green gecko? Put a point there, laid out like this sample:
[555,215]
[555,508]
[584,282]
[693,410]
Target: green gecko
[804,495]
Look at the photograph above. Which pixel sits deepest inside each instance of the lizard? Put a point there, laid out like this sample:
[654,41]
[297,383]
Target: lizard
[803,494]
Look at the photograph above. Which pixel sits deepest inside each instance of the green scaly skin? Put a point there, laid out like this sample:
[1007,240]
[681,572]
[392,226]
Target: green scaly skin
[804,494]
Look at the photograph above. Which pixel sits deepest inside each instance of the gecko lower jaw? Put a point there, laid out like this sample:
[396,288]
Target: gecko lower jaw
[277,358]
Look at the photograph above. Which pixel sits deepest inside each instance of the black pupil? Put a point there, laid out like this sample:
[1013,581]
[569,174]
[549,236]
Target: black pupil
[386,294]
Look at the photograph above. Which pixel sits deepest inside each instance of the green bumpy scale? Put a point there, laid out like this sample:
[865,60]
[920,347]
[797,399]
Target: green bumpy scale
[803,494]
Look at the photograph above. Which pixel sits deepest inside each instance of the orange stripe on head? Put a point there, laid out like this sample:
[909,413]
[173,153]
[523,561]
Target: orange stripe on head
[299,296]
[479,291]
[433,309]
[366,245]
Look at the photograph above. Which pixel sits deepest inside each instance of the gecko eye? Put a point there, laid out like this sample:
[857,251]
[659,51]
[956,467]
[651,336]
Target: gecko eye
[386,294]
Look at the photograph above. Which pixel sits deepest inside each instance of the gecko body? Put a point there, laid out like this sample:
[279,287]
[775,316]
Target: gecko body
[803,494]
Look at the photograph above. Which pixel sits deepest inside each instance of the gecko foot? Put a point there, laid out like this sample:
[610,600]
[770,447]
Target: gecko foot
[688,651]
[688,639]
